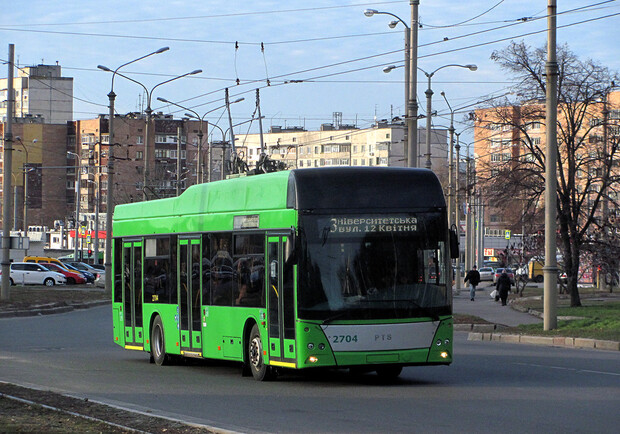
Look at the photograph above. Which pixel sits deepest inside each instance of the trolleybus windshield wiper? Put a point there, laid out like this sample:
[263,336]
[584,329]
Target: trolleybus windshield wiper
[335,316]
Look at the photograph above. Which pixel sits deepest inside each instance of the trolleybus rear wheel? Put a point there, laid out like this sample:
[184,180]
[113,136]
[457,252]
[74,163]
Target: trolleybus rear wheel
[158,347]
[260,371]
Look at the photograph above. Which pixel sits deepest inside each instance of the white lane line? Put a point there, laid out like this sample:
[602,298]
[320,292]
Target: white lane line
[563,368]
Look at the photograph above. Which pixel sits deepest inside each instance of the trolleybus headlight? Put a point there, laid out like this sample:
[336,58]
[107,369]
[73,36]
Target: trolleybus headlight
[313,359]
[310,346]
[438,343]
[321,346]
[446,342]
[444,354]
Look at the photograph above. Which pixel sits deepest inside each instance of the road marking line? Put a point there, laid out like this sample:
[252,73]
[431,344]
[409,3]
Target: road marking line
[568,369]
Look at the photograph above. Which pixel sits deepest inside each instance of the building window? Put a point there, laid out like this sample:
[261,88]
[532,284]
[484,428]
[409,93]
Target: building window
[140,140]
[139,155]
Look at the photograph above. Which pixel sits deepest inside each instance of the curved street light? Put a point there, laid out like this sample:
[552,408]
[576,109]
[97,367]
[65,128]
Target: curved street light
[110,169]
[429,95]
[411,84]
[194,115]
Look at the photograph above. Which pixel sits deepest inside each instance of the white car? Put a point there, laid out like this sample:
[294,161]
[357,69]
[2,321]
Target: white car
[486,273]
[31,273]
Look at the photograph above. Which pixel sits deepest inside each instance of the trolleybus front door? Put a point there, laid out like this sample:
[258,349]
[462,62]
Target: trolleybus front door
[190,272]
[281,301]
[132,294]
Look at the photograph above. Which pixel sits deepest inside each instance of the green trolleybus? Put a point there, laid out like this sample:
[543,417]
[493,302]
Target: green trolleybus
[329,267]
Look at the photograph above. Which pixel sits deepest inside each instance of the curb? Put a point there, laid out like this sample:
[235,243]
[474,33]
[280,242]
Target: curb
[51,309]
[557,341]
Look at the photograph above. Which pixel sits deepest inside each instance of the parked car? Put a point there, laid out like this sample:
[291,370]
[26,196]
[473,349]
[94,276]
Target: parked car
[82,266]
[509,272]
[73,277]
[26,273]
[100,281]
[486,273]
[90,277]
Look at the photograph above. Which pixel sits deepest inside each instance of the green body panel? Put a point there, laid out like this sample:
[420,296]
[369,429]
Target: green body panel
[117,321]
[310,332]
[210,205]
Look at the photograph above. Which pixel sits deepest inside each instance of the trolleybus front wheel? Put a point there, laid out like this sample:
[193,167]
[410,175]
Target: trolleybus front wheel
[260,371]
[389,372]
[158,347]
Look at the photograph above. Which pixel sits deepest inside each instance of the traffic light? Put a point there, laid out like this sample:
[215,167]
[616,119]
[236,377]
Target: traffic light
[90,253]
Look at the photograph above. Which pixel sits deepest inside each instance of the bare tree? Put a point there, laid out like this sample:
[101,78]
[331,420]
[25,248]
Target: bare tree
[588,148]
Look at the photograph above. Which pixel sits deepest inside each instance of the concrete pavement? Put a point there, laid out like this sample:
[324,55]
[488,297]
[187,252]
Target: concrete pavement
[500,316]
[487,308]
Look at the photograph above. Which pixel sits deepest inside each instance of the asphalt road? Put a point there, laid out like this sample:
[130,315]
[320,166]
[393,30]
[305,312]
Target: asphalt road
[491,387]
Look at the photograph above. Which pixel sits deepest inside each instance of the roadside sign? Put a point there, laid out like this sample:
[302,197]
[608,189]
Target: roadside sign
[507,234]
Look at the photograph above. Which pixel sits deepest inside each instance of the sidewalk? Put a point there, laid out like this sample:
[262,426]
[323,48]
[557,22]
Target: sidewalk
[487,308]
[505,316]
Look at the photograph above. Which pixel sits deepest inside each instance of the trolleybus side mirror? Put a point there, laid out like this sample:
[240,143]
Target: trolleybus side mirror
[454,244]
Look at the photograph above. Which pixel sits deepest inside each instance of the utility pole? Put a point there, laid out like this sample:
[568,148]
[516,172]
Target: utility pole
[5,292]
[179,134]
[412,105]
[457,214]
[468,237]
[550,270]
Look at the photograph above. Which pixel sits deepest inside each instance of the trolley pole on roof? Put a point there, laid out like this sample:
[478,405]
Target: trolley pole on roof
[232,133]
[260,123]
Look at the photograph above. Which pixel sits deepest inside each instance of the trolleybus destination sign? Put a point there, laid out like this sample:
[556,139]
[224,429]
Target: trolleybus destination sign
[372,224]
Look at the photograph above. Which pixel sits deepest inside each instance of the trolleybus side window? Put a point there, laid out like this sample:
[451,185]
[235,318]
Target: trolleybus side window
[221,269]
[172,278]
[156,270]
[206,270]
[249,266]
[118,270]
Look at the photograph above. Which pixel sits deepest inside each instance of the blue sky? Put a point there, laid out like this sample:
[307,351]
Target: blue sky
[329,44]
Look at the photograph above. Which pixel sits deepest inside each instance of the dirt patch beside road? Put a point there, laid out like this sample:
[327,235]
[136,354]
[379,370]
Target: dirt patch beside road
[73,415]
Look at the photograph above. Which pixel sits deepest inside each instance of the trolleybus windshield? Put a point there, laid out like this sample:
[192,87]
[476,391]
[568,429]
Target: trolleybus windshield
[357,267]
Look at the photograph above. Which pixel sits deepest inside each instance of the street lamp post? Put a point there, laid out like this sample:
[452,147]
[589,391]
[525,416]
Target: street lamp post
[96,243]
[457,210]
[429,95]
[110,170]
[77,203]
[149,111]
[450,165]
[194,115]
[411,63]
[26,171]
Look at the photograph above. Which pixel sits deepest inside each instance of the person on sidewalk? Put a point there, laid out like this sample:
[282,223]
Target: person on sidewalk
[473,277]
[503,286]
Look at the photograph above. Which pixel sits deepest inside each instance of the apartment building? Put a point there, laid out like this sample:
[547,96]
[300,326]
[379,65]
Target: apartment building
[39,172]
[337,145]
[501,135]
[40,92]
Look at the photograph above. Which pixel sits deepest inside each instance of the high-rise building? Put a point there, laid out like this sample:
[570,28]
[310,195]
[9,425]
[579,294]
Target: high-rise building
[40,92]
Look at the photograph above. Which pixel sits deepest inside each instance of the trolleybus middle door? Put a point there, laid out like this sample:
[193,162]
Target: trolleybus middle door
[281,301]
[189,276]
[132,294]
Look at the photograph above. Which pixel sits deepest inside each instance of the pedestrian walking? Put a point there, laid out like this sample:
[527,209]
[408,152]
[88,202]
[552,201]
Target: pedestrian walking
[503,286]
[473,277]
